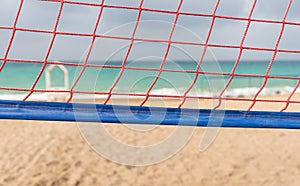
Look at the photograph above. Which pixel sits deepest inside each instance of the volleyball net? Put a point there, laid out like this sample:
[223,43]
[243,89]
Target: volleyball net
[171,57]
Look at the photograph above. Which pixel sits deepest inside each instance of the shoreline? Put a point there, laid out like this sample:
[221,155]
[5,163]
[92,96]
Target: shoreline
[264,103]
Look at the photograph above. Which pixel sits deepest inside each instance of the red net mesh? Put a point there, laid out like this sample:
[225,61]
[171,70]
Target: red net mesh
[219,40]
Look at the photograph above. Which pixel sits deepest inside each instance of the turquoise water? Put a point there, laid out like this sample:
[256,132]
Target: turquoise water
[22,75]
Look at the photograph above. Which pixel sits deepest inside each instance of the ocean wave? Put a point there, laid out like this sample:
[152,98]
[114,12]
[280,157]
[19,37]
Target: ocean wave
[235,92]
[251,91]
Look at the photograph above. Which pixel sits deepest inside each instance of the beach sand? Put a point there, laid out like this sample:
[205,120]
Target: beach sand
[55,153]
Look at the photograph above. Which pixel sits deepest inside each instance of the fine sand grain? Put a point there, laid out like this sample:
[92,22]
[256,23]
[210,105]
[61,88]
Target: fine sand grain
[55,153]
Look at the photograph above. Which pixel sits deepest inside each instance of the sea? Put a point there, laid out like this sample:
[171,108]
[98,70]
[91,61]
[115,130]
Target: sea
[175,78]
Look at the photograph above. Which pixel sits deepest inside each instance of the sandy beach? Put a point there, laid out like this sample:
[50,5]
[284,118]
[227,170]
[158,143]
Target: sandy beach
[55,153]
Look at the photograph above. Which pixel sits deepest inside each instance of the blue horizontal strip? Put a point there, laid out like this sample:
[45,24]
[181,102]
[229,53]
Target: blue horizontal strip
[54,111]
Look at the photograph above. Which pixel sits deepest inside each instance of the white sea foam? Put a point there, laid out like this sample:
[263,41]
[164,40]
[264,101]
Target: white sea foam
[236,92]
[39,97]
[49,97]
[251,91]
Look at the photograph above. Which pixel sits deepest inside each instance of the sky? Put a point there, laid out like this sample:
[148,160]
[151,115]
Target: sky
[120,22]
